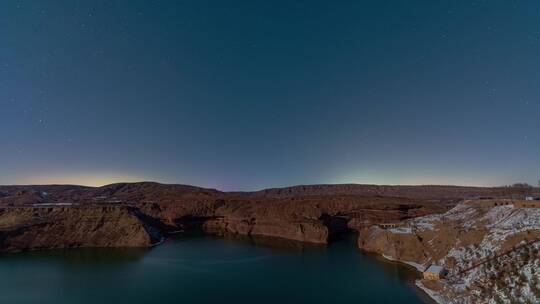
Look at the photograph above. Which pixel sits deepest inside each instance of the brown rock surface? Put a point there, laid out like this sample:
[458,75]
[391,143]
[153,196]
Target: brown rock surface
[403,247]
[484,245]
[60,227]
[303,213]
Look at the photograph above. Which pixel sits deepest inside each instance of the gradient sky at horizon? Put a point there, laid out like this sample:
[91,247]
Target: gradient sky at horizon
[242,95]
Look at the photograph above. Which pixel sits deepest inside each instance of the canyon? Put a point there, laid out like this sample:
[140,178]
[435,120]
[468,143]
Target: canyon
[455,227]
[142,214]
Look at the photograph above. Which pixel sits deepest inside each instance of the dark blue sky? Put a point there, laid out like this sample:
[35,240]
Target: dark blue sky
[252,94]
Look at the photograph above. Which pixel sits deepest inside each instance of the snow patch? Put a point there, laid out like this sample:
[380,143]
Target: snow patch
[401,230]
[432,294]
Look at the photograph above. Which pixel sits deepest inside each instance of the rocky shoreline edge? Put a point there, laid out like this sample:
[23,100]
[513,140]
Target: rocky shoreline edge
[415,224]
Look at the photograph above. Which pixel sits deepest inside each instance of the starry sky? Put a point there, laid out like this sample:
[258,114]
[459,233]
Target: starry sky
[243,95]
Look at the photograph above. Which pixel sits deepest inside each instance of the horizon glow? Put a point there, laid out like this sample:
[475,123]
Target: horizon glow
[269,94]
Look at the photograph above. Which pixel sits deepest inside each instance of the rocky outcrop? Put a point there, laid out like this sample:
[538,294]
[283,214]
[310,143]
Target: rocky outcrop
[306,231]
[431,230]
[488,247]
[32,228]
[304,216]
[312,219]
[397,246]
[313,213]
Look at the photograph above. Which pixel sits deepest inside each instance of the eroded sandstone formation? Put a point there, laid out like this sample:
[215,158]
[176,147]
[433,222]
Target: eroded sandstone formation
[32,228]
[489,249]
[138,214]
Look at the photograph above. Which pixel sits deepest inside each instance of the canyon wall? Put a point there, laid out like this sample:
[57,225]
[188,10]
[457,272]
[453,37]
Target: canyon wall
[137,214]
[33,228]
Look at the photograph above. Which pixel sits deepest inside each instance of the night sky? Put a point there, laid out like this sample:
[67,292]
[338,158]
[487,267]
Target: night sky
[252,94]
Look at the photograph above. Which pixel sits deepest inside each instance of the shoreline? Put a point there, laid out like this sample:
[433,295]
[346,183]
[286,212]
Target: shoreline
[434,296]
[410,279]
[426,294]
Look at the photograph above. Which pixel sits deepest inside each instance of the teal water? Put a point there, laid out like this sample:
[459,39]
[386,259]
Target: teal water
[205,270]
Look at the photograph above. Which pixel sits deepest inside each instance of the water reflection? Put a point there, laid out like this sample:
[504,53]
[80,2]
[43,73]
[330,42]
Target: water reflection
[82,256]
[206,269]
[273,243]
[396,269]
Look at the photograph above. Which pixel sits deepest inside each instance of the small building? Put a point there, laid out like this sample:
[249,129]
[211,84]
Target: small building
[390,225]
[434,272]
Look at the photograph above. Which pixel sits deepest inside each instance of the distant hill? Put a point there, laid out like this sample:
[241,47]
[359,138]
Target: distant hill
[157,191]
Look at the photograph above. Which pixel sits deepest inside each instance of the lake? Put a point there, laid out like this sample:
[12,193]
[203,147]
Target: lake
[205,269]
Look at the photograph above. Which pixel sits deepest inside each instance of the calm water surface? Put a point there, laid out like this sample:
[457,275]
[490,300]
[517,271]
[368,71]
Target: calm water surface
[205,270]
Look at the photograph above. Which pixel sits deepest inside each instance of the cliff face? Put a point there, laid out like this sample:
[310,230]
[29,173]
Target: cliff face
[312,232]
[60,227]
[312,219]
[397,246]
[313,214]
[489,249]
[434,231]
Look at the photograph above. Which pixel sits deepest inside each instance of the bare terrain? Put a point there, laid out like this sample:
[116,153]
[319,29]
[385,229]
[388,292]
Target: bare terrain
[490,250]
[146,212]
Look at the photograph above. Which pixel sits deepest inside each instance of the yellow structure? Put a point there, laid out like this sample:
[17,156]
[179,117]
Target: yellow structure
[434,272]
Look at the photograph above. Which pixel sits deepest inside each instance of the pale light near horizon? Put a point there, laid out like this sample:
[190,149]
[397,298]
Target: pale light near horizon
[92,180]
